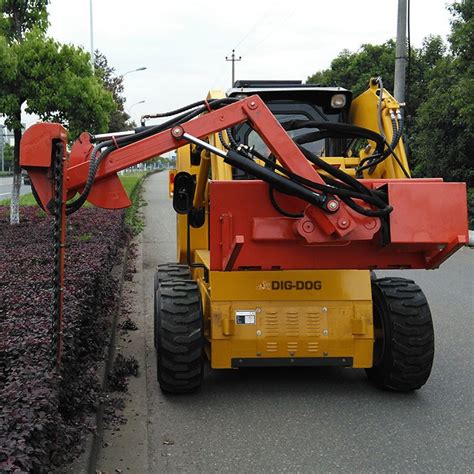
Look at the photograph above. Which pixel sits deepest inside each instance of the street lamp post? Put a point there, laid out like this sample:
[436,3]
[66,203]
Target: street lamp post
[143,68]
[136,103]
[129,110]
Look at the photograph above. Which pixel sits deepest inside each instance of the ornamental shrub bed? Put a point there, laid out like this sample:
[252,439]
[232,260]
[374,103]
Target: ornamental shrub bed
[46,412]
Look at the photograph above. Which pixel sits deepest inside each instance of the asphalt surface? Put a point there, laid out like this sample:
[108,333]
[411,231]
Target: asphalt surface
[6,188]
[315,420]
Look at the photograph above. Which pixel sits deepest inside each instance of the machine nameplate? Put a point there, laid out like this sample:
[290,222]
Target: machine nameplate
[245,317]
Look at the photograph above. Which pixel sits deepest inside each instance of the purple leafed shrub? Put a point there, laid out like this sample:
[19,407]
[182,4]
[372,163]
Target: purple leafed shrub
[45,413]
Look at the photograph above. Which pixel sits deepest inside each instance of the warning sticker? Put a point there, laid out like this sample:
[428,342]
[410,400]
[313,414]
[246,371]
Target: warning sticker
[246,316]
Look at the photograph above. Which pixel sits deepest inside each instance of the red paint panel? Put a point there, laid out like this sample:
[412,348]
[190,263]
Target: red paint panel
[246,205]
[431,212]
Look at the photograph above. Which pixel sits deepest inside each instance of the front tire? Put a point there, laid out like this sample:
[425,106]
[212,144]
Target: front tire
[179,336]
[404,336]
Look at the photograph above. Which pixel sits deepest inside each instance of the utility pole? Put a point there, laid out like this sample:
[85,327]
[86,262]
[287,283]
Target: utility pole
[234,60]
[401,52]
[92,36]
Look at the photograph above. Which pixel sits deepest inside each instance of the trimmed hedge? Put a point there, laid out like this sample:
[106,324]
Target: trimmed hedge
[45,412]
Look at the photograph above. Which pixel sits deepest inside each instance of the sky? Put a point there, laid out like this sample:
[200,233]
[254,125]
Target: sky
[184,44]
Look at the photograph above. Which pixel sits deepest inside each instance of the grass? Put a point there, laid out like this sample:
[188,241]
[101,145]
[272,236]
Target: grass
[129,182]
[133,185]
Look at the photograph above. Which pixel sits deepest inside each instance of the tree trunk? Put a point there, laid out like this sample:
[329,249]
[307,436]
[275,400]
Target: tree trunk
[15,200]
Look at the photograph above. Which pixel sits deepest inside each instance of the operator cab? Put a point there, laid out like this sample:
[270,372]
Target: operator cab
[292,100]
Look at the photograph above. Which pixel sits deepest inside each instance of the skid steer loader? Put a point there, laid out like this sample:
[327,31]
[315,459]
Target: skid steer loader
[289,197]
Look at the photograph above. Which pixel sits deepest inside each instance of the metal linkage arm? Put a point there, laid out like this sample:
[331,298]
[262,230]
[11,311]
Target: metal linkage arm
[108,192]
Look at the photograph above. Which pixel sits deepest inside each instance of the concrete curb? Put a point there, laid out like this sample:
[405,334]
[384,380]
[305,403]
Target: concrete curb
[470,242]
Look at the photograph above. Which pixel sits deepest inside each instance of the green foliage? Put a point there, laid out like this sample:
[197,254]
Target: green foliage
[22,16]
[84,237]
[353,70]
[440,87]
[462,31]
[443,137]
[57,83]
[444,128]
[133,184]
[119,119]
[8,156]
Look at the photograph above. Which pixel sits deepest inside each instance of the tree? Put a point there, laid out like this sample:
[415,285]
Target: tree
[353,70]
[444,125]
[8,157]
[54,81]
[119,119]
[438,112]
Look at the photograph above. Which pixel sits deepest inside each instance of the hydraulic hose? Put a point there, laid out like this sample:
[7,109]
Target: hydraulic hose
[106,147]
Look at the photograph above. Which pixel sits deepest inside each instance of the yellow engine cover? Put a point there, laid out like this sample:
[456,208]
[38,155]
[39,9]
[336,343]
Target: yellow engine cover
[300,317]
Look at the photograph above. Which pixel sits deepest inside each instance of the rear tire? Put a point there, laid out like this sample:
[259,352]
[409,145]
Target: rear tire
[171,271]
[404,336]
[167,272]
[179,336]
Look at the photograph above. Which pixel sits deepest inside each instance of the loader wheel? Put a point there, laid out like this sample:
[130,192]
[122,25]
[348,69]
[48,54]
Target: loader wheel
[166,272]
[404,337]
[171,271]
[179,336]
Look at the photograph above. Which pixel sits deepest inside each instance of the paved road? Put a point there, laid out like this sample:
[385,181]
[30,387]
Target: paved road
[315,420]
[6,188]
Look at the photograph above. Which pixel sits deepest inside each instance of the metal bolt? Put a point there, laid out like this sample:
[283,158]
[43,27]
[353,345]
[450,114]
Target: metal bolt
[325,332]
[332,205]
[258,310]
[253,105]
[292,354]
[325,354]
[177,132]
[343,223]
[324,309]
[259,354]
[259,333]
[370,224]
[308,227]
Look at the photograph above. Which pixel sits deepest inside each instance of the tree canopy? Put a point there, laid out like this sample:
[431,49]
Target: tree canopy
[22,16]
[55,81]
[49,79]
[440,87]
[119,119]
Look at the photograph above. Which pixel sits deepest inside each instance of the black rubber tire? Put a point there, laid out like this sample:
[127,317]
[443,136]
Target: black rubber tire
[179,336]
[171,271]
[167,272]
[404,350]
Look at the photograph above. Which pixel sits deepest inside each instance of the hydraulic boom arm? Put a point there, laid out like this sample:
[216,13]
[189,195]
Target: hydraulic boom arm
[340,210]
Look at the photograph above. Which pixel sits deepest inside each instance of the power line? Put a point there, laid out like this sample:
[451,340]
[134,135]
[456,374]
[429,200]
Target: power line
[284,20]
[260,18]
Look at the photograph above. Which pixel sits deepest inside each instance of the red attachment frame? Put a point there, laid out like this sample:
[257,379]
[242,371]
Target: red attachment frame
[428,223]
